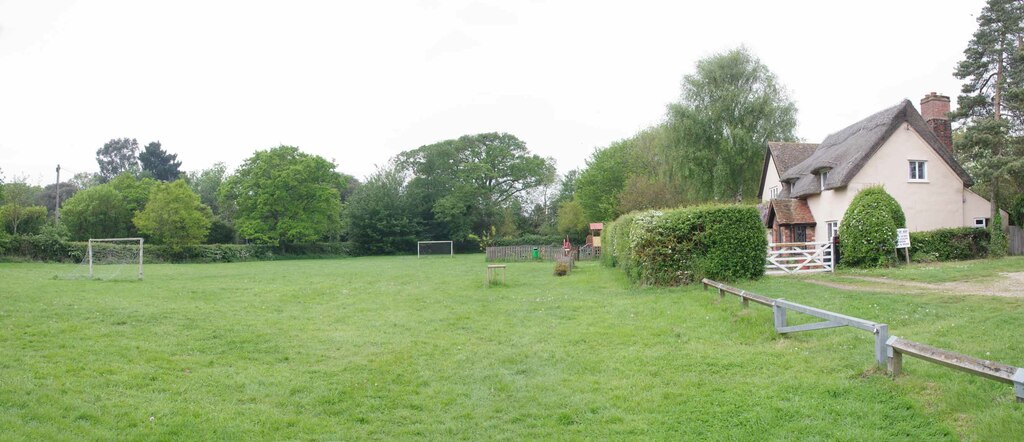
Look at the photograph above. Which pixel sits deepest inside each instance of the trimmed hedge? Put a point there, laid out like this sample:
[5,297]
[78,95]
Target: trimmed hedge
[949,244]
[868,237]
[681,246]
[47,248]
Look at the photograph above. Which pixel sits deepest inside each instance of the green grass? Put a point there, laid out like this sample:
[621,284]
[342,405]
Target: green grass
[403,348]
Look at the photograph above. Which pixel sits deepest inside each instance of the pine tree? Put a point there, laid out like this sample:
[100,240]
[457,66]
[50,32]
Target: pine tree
[162,165]
[991,103]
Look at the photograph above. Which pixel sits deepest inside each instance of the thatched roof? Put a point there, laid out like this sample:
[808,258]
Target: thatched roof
[845,152]
[789,211]
[786,155]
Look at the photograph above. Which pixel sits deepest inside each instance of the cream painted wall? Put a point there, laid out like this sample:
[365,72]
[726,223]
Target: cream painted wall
[976,206]
[771,178]
[938,202]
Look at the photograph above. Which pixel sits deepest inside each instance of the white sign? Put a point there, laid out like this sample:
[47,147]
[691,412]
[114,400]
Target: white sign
[902,238]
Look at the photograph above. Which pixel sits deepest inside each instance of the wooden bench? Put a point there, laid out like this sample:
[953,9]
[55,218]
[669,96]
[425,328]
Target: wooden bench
[492,271]
[996,371]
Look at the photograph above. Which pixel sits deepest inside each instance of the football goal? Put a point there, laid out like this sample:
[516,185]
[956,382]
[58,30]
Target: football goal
[112,258]
[430,248]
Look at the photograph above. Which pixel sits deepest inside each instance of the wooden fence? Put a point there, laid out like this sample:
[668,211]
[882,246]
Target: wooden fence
[798,257]
[889,350]
[524,253]
[1015,238]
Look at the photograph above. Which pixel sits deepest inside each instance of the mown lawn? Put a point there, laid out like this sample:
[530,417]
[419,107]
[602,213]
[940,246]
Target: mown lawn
[403,348]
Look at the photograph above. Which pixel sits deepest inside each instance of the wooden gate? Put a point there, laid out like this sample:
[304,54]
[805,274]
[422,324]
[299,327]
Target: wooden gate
[799,257]
[1015,238]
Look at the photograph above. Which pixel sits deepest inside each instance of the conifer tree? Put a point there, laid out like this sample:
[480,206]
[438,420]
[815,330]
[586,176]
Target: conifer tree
[991,103]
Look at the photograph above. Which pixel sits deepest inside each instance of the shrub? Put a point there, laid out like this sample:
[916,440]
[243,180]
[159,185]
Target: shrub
[998,246]
[1017,211]
[680,246]
[561,268]
[949,244]
[869,229]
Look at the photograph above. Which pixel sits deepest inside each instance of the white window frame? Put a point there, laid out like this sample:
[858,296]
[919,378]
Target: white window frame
[918,174]
[831,229]
[774,191]
[983,224]
[822,177]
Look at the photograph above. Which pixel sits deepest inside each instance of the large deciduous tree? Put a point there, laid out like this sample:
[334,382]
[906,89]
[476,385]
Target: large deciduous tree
[159,163]
[96,212]
[464,185]
[18,204]
[731,107]
[206,183]
[283,196]
[991,103]
[174,215]
[380,215]
[118,156]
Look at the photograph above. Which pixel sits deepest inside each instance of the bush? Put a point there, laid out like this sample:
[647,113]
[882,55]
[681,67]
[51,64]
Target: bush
[998,246]
[561,268]
[949,244]
[869,229]
[680,246]
[51,246]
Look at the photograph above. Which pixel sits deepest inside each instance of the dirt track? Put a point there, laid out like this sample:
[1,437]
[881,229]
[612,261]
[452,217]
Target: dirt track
[1008,285]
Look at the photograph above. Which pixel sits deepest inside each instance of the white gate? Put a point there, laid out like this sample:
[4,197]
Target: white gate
[799,257]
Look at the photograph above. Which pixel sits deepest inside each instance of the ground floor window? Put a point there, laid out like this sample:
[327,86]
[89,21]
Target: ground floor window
[799,233]
[833,229]
[980,222]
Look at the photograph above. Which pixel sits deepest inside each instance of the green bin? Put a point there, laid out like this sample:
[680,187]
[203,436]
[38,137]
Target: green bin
[536,253]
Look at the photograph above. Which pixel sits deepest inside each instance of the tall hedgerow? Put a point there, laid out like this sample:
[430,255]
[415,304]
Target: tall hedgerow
[868,236]
[680,246]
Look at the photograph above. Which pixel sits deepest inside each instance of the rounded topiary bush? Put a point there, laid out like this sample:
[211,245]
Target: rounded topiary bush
[868,237]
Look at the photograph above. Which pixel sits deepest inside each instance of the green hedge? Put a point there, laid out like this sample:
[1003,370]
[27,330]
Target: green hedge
[949,244]
[47,248]
[868,238]
[680,246]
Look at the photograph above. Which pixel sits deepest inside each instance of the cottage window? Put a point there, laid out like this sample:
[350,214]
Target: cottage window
[918,170]
[833,229]
[823,175]
[981,222]
[799,233]
[774,191]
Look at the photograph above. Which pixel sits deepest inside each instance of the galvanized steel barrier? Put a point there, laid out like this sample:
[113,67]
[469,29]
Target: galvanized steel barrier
[889,350]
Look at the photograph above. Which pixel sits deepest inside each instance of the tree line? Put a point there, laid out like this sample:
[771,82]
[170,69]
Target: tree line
[481,188]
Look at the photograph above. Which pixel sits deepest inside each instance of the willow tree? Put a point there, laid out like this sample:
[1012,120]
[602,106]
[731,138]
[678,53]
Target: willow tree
[731,107]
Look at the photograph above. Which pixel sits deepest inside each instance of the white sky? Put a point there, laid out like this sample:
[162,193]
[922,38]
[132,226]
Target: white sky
[359,82]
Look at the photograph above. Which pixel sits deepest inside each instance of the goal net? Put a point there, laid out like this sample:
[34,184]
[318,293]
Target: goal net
[430,248]
[111,258]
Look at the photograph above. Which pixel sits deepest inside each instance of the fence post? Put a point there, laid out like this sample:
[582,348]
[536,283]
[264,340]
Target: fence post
[895,365]
[1018,384]
[881,337]
[780,316]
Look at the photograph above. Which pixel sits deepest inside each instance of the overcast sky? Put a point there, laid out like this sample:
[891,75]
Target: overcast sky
[359,82]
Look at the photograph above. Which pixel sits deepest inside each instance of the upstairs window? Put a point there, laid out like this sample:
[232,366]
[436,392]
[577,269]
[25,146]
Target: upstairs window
[823,176]
[981,222]
[774,191]
[918,170]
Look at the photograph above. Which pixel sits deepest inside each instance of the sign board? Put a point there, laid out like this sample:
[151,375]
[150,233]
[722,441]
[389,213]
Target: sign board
[902,238]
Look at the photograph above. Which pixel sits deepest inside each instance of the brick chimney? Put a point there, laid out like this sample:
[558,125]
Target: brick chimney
[935,110]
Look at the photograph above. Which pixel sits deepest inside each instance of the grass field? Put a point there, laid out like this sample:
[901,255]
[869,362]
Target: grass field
[401,348]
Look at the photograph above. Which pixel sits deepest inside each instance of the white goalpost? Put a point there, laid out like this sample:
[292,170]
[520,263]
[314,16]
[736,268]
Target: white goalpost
[116,252]
[425,248]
